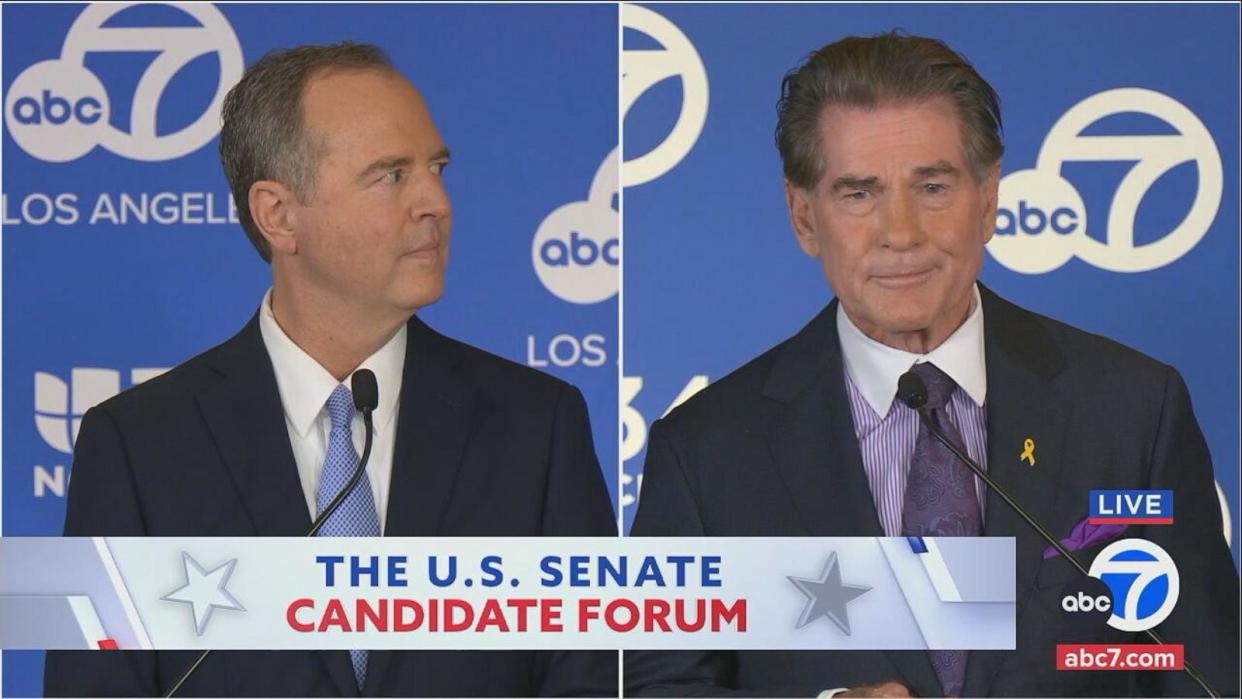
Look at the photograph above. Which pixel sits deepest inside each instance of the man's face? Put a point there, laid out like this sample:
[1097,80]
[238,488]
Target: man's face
[374,234]
[897,219]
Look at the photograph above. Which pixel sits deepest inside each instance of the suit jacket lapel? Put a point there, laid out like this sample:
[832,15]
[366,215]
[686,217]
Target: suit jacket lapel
[817,455]
[812,434]
[241,406]
[1023,403]
[433,427]
[242,409]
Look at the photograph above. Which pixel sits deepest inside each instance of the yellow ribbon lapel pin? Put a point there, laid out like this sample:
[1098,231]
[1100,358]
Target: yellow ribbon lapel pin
[1028,451]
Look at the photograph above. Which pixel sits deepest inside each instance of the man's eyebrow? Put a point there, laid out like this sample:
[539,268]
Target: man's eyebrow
[442,154]
[940,167]
[855,182]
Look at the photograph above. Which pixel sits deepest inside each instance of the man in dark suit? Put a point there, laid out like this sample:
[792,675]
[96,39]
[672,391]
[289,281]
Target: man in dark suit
[336,164]
[891,147]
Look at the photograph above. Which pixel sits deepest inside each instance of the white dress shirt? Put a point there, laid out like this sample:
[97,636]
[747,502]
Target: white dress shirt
[875,367]
[304,390]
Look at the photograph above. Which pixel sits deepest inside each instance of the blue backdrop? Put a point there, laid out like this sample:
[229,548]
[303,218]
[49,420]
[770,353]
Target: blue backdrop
[119,258]
[713,275]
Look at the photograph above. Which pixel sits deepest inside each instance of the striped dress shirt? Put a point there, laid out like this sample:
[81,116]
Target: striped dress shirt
[886,429]
[887,445]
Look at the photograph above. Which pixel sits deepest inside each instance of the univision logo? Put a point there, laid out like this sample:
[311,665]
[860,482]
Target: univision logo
[60,405]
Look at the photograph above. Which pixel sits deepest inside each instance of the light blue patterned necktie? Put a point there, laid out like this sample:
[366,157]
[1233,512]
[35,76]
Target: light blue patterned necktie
[356,516]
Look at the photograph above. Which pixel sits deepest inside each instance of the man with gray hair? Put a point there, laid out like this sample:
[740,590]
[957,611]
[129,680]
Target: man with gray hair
[891,149]
[337,170]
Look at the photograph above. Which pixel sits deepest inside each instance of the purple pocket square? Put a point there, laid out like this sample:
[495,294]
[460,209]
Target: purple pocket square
[1086,534]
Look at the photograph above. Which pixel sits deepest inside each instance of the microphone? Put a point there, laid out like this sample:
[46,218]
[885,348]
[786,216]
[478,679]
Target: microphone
[913,392]
[365,390]
[366,397]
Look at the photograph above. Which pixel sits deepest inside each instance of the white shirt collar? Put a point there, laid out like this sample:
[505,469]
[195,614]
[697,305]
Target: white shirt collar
[875,367]
[305,385]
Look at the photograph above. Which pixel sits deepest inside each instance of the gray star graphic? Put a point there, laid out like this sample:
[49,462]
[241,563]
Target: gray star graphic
[205,590]
[827,595]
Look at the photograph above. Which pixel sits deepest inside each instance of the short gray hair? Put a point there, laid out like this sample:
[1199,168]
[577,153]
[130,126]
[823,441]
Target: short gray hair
[887,68]
[262,136]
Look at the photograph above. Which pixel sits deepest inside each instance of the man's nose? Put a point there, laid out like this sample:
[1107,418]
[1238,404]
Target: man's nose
[900,224]
[430,197]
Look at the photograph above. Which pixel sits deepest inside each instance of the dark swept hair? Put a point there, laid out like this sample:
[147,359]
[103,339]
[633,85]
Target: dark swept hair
[886,68]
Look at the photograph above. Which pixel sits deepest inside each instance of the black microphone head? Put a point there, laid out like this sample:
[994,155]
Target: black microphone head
[911,390]
[365,390]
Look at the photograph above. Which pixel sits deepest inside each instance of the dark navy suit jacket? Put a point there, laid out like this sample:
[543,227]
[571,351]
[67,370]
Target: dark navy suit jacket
[770,451]
[484,447]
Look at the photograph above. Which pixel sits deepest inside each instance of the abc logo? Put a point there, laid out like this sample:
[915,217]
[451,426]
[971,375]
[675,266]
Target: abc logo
[576,251]
[1033,220]
[1086,603]
[1041,222]
[579,250]
[1083,602]
[58,123]
[1143,580]
[57,110]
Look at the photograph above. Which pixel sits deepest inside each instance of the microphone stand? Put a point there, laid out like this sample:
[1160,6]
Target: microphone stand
[366,397]
[915,396]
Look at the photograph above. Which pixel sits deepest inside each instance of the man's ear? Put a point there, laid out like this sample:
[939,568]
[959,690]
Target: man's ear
[273,208]
[990,189]
[799,203]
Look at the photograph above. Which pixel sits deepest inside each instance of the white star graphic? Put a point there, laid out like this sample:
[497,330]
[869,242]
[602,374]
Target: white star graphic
[205,590]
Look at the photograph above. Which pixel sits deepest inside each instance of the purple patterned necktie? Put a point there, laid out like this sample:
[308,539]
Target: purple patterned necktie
[940,499]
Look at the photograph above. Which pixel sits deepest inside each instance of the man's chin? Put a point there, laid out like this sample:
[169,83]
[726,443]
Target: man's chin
[887,328]
[421,297]
[902,318]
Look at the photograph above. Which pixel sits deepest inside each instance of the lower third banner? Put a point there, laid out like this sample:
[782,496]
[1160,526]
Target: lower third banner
[507,594]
